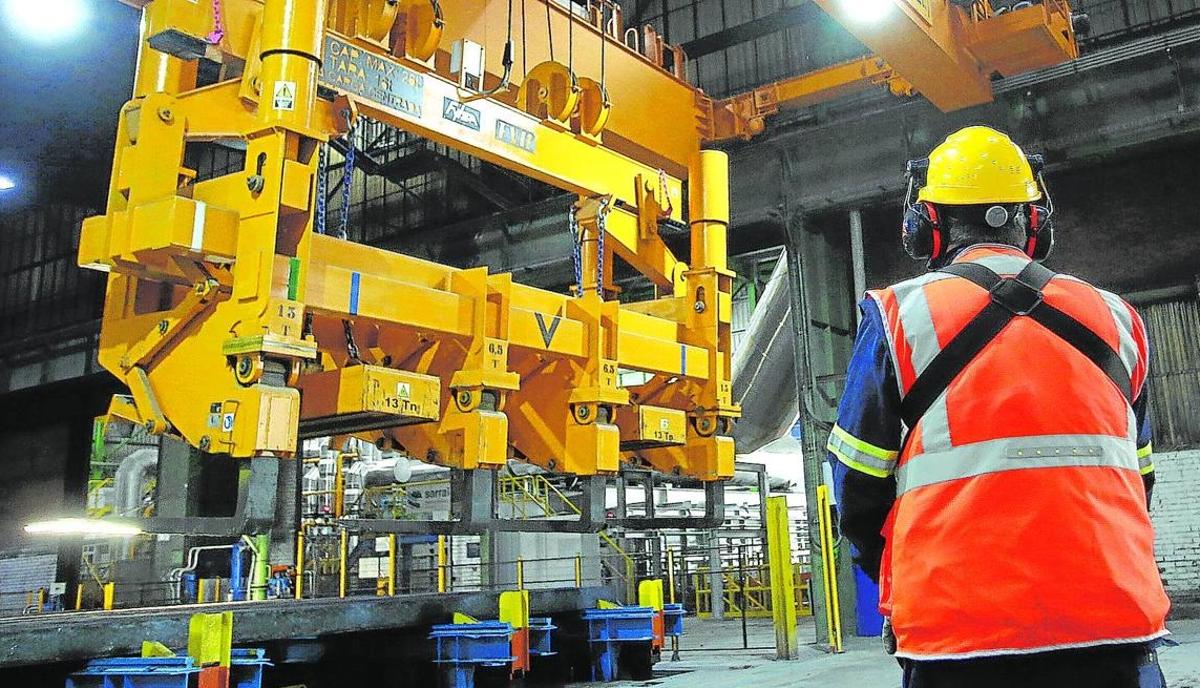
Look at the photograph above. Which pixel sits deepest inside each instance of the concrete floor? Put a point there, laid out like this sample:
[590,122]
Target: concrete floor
[711,657]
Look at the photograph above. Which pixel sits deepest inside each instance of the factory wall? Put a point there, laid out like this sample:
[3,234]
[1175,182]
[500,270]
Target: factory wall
[1176,514]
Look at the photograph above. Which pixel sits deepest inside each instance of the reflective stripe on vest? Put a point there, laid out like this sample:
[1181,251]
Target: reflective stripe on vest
[1016,454]
[915,320]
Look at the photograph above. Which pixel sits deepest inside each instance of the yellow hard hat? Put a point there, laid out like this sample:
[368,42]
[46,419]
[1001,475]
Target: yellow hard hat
[978,166]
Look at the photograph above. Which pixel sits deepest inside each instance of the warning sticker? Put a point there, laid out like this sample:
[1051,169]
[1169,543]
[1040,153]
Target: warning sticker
[284,97]
[227,422]
[404,390]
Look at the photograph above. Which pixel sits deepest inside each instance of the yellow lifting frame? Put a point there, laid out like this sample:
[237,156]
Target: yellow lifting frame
[522,369]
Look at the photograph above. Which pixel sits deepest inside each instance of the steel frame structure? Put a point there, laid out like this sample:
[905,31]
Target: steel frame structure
[242,328]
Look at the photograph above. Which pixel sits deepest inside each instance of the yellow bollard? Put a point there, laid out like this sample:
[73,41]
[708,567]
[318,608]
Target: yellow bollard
[300,563]
[391,578]
[783,591]
[441,563]
[201,591]
[79,597]
[343,556]
[579,572]
[110,596]
[833,610]
[520,574]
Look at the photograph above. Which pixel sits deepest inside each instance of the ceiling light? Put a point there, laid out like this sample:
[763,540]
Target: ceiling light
[867,11]
[7,183]
[46,20]
[83,526]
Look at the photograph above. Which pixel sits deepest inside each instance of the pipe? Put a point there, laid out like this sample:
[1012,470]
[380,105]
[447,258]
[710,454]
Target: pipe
[261,567]
[131,476]
[237,588]
[858,257]
[193,560]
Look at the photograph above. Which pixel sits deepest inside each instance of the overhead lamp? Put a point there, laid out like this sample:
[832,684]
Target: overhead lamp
[7,183]
[83,526]
[867,11]
[46,21]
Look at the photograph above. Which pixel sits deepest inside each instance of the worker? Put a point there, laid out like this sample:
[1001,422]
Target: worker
[992,450]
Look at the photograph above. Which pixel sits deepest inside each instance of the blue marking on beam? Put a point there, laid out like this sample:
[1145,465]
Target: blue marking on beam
[355,283]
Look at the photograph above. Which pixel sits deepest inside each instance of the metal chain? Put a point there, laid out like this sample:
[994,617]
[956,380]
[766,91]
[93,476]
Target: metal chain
[601,230]
[347,181]
[351,346]
[576,249]
[218,32]
[322,187]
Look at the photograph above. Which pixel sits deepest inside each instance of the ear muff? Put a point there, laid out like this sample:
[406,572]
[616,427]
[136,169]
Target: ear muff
[922,232]
[1039,233]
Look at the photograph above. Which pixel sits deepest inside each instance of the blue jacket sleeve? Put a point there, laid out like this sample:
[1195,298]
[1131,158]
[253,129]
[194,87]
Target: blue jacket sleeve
[865,442]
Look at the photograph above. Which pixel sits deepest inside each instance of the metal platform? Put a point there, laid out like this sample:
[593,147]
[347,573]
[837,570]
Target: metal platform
[64,637]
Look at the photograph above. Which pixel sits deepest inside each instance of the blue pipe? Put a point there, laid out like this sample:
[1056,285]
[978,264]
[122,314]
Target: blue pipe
[237,579]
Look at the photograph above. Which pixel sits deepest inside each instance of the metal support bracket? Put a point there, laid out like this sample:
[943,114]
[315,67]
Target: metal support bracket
[714,505]
[255,512]
[474,511]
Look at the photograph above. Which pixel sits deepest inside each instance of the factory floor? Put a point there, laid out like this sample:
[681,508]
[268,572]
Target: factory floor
[711,657]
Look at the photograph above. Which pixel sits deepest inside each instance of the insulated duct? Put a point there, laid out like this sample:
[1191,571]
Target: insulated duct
[132,475]
[764,377]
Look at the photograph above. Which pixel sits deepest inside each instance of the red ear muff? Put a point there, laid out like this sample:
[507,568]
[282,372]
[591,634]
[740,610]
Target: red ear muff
[1031,234]
[935,225]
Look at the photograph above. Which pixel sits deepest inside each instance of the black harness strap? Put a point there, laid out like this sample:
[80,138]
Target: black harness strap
[1011,297]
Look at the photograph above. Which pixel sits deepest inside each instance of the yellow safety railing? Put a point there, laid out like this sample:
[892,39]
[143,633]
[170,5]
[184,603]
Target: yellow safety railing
[757,591]
[630,570]
[521,492]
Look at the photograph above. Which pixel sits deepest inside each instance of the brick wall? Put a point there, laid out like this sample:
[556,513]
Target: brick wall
[1175,509]
[22,573]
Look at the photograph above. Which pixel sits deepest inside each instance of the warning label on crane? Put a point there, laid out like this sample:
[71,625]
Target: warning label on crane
[351,69]
[284,97]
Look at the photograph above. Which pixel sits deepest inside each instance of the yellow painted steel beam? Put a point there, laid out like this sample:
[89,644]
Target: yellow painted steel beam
[949,53]
[744,115]
[664,130]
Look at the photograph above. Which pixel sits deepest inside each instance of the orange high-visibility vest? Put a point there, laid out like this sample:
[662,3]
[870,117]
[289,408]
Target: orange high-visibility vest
[1020,523]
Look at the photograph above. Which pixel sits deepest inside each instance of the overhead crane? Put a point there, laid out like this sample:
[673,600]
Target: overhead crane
[240,328]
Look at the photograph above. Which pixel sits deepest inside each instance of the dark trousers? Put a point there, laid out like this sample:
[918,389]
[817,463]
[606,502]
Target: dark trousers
[1113,667]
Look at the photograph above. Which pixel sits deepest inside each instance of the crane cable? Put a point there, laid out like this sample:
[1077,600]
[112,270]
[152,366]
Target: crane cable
[549,31]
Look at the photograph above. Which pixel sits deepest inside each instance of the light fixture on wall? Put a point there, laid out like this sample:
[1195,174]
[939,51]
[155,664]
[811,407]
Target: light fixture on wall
[83,526]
